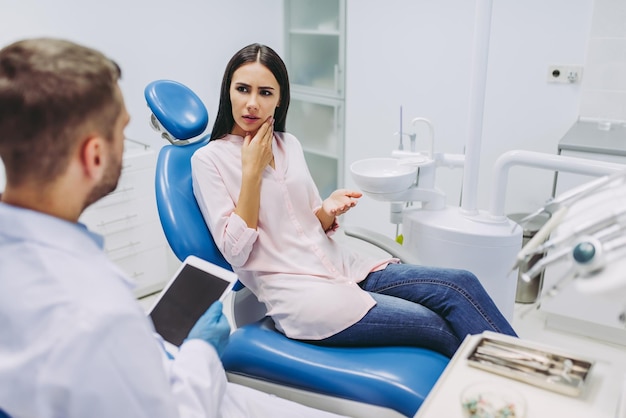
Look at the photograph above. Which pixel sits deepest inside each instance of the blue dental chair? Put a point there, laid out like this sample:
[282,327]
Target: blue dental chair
[359,382]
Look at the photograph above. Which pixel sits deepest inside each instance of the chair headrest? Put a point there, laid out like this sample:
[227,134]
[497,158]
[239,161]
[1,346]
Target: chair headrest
[176,110]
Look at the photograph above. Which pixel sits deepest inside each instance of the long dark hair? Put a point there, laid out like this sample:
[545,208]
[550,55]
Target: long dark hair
[224,121]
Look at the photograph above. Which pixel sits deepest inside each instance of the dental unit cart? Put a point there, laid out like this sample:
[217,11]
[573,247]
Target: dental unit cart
[571,310]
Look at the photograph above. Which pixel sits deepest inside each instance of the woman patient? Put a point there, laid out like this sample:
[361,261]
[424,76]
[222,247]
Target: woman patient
[265,213]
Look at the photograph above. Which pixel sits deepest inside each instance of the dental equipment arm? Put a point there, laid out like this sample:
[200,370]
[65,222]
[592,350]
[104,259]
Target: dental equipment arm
[549,162]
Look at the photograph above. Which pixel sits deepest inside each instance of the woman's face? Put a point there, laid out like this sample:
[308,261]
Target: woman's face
[254,95]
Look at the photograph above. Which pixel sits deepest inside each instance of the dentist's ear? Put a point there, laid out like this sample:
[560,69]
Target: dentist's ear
[92,157]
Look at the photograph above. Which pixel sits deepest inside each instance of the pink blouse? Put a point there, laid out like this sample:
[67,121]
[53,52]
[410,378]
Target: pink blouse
[307,281]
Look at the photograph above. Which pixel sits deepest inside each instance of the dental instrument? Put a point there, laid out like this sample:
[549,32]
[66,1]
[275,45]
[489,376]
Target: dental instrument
[605,224]
[608,222]
[589,243]
[590,229]
[558,254]
[558,208]
[573,195]
[529,249]
[591,255]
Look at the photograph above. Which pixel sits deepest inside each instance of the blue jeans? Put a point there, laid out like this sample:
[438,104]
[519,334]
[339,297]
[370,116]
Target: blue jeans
[426,307]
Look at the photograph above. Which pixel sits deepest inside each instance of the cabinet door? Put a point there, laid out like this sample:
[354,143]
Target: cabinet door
[315,45]
[316,122]
[128,220]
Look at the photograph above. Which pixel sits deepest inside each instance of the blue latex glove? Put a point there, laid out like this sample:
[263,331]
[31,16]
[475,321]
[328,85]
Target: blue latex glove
[212,327]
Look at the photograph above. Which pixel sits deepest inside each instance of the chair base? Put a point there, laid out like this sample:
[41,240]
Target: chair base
[316,400]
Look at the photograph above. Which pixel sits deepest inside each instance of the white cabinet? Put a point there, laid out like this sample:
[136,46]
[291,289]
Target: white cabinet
[315,59]
[128,220]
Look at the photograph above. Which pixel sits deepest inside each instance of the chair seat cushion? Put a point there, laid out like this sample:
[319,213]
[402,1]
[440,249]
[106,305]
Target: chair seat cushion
[398,378]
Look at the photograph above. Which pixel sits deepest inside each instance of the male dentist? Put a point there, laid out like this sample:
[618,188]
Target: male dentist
[74,342]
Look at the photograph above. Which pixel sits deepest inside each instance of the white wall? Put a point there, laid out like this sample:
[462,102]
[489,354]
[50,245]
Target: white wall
[417,53]
[604,83]
[189,41]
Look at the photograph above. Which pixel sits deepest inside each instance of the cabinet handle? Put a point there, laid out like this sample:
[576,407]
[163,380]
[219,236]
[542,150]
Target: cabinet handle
[122,219]
[336,81]
[337,146]
[123,247]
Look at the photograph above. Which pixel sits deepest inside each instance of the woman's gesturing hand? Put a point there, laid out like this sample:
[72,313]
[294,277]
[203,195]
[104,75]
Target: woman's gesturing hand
[340,201]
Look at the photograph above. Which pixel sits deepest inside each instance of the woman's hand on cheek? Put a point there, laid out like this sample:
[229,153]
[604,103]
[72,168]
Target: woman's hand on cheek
[256,152]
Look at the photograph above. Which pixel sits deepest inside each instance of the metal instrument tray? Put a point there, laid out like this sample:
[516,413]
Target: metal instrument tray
[555,371]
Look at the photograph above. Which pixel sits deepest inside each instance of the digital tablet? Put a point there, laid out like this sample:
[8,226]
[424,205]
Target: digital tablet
[188,294]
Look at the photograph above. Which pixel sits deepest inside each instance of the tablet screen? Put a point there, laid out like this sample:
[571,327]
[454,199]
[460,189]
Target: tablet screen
[189,295]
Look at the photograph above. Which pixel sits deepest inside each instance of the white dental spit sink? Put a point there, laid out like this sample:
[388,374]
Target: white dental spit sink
[383,175]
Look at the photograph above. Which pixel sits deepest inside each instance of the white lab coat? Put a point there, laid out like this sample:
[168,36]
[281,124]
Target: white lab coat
[75,343]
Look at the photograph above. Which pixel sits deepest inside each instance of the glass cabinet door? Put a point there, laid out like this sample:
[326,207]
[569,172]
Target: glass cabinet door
[315,59]
[324,171]
[317,123]
[315,39]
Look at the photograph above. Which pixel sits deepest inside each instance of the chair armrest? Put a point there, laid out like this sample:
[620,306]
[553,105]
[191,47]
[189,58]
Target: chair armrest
[381,241]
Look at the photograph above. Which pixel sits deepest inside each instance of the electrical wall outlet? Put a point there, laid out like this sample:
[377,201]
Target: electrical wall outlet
[565,74]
